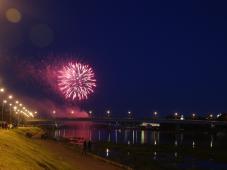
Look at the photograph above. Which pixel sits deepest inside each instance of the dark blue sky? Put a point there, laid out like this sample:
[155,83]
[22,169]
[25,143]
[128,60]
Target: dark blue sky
[148,55]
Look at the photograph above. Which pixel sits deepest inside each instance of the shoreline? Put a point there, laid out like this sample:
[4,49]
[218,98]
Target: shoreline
[21,152]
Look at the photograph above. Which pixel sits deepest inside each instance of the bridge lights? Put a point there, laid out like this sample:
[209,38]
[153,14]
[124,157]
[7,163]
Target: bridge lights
[219,115]
[129,114]
[211,116]
[108,113]
[193,115]
[90,113]
[155,113]
[175,115]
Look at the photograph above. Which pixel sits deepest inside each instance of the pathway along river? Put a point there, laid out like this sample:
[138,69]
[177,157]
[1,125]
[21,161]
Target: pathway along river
[146,149]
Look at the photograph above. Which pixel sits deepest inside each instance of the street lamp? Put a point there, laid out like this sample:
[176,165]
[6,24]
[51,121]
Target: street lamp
[155,114]
[90,113]
[2,90]
[175,115]
[3,102]
[129,114]
[10,97]
[54,112]
[108,113]
[10,113]
[211,116]
[193,115]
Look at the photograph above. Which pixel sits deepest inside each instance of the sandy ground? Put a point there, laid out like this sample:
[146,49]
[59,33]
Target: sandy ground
[22,153]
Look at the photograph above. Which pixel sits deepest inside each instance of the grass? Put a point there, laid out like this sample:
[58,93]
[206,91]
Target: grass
[19,152]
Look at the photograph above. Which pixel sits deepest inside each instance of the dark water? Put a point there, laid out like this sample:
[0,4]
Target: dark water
[180,150]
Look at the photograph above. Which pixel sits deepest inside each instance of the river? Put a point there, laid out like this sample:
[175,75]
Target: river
[145,149]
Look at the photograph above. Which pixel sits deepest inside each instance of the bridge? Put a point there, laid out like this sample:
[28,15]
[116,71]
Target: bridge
[123,121]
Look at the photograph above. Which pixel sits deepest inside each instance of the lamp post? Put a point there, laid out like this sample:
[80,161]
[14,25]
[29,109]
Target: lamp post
[211,116]
[15,110]
[129,114]
[90,113]
[2,90]
[176,115]
[10,105]
[155,114]
[193,115]
[3,102]
[10,97]
[108,113]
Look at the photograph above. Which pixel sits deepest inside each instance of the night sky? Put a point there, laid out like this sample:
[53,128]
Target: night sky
[168,56]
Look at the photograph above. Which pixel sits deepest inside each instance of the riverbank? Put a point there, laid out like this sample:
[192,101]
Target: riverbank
[20,152]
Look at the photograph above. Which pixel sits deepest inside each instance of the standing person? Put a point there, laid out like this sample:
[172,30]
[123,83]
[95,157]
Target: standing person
[85,147]
[89,146]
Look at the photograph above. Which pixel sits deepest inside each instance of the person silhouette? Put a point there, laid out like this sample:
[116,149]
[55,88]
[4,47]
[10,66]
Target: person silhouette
[89,146]
[85,147]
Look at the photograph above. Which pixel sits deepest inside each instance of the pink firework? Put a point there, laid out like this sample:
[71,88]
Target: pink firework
[76,81]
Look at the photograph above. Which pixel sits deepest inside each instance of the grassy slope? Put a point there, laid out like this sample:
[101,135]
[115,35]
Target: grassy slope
[19,152]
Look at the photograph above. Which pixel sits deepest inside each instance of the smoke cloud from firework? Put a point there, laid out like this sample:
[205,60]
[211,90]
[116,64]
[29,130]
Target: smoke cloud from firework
[40,76]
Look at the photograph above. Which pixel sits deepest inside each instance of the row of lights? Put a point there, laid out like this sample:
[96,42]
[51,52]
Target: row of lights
[176,114]
[18,107]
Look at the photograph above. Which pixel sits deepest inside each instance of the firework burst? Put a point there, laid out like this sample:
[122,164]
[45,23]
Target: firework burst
[76,81]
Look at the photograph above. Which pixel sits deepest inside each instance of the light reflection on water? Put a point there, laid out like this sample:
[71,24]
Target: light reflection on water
[90,131]
[114,136]
[97,133]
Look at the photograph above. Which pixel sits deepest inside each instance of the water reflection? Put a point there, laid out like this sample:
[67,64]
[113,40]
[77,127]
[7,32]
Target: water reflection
[193,144]
[176,140]
[116,136]
[89,131]
[211,141]
[107,152]
[154,155]
[142,137]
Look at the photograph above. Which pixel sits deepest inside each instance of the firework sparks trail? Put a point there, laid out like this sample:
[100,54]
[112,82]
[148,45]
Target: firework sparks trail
[76,81]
